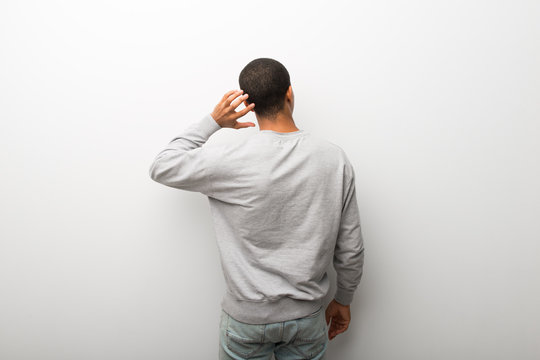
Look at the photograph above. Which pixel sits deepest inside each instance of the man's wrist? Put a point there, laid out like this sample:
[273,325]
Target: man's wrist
[214,118]
[348,305]
[343,296]
[211,123]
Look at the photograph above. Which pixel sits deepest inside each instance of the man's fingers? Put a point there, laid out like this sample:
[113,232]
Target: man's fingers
[233,96]
[240,125]
[239,101]
[227,94]
[337,328]
[243,112]
[332,334]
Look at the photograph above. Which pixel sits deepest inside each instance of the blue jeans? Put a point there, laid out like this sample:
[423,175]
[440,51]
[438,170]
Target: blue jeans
[303,338]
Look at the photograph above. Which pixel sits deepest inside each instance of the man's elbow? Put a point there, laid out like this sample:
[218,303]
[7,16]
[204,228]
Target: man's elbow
[165,174]
[154,172]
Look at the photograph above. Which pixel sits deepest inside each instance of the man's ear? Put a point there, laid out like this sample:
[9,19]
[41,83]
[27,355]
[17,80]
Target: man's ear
[246,105]
[290,92]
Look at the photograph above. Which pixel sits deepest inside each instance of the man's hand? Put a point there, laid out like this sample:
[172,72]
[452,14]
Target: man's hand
[224,113]
[340,316]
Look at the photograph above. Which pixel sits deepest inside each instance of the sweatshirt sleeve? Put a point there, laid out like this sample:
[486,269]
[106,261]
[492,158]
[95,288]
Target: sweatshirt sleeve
[349,250]
[184,163]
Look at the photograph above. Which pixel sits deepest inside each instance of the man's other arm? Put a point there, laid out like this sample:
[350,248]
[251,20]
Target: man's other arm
[348,261]
[349,249]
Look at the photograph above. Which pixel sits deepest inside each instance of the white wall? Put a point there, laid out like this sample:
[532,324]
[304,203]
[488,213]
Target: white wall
[435,102]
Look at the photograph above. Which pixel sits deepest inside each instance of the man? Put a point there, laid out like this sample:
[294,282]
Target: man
[284,207]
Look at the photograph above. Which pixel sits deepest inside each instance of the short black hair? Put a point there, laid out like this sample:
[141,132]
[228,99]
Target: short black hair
[266,81]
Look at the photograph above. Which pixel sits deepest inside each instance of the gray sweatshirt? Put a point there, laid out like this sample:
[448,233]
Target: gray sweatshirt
[283,207]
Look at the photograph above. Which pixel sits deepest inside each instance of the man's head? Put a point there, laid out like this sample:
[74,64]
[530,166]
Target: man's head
[268,85]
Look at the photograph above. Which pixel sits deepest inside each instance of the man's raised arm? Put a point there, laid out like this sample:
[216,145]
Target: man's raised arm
[185,163]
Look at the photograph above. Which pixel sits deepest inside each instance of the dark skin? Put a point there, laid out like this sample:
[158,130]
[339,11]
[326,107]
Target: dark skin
[224,113]
[281,122]
[338,316]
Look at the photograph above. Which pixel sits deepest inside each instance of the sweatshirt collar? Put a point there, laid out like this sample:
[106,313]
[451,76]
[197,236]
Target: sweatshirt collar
[286,134]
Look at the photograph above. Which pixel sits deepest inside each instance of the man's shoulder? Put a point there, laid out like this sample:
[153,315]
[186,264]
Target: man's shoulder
[329,147]
[335,154]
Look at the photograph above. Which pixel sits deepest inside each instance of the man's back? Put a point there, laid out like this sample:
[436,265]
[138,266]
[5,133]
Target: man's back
[284,206]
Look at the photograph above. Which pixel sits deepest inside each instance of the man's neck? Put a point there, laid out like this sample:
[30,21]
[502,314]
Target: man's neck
[280,123]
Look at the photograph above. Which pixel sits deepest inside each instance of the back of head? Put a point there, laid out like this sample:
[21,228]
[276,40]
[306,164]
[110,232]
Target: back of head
[266,81]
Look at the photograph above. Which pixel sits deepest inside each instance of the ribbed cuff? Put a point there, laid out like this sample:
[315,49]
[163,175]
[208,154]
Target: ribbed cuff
[208,125]
[344,297]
